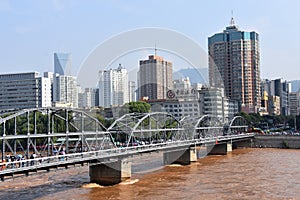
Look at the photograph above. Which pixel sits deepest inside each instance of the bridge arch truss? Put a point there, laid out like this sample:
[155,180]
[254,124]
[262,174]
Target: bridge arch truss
[203,126]
[49,131]
[237,125]
[146,128]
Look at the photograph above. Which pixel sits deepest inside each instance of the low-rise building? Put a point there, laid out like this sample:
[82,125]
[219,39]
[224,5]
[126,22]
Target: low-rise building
[24,90]
[185,100]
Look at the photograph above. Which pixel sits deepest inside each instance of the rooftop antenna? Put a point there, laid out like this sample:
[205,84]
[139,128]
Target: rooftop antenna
[232,23]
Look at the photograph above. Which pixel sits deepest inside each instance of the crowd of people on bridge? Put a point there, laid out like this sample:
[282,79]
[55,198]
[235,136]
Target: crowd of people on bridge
[17,161]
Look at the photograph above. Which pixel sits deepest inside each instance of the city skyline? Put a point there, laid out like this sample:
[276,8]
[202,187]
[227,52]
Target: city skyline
[35,30]
[149,99]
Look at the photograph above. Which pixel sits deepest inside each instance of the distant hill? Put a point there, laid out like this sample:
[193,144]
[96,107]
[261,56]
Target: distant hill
[196,75]
[295,85]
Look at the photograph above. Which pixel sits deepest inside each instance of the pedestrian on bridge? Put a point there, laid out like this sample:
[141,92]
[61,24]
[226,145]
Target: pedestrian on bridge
[62,152]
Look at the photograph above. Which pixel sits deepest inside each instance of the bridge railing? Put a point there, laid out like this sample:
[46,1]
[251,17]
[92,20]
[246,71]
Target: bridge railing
[61,160]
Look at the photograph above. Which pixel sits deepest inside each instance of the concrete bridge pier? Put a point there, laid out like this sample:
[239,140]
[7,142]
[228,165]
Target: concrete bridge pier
[182,157]
[229,147]
[110,173]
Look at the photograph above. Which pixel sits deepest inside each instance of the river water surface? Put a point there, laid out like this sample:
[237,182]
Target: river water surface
[242,174]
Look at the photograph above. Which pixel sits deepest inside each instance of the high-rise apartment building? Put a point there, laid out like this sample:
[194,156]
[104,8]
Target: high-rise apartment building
[113,87]
[131,91]
[65,91]
[155,78]
[24,90]
[62,64]
[234,63]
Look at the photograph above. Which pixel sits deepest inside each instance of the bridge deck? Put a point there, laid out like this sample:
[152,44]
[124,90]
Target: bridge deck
[102,156]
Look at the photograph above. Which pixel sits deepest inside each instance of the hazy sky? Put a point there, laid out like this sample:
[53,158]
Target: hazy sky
[32,30]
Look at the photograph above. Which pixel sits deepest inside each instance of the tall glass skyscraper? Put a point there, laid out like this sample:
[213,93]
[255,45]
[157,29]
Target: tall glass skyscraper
[64,84]
[62,64]
[234,63]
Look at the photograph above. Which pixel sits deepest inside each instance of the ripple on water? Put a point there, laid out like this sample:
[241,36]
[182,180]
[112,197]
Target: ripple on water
[129,182]
[92,185]
[175,165]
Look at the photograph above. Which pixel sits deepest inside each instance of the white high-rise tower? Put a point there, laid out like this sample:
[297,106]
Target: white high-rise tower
[113,87]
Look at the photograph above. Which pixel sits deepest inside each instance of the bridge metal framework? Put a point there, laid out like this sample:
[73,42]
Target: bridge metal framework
[49,131]
[203,126]
[237,125]
[146,128]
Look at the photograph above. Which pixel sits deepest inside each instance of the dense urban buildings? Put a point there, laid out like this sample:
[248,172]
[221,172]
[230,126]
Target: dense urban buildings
[234,75]
[113,87]
[274,92]
[195,101]
[154,78]
[24,90]
[234,63]
[88,97]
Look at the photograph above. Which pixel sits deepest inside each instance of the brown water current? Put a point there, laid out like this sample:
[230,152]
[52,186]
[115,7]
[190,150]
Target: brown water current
[242,174]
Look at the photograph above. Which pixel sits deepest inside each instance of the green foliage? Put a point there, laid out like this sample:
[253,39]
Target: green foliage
[245,116]
[137,107]
[106,122]
[256,120]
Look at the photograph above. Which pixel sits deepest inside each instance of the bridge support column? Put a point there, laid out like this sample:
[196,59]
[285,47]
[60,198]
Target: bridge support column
[182,157]
[218,149]
[229,147]
[110,173]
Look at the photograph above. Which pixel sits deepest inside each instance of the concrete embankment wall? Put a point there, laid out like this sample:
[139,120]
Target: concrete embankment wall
[276,141]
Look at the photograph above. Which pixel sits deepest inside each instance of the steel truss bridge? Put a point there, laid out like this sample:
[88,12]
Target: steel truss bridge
[44,138]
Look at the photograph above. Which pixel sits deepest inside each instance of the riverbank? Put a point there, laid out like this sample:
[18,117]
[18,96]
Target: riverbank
[276,141]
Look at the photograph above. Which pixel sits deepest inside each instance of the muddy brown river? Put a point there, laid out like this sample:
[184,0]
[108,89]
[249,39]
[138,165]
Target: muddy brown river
[242,174]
